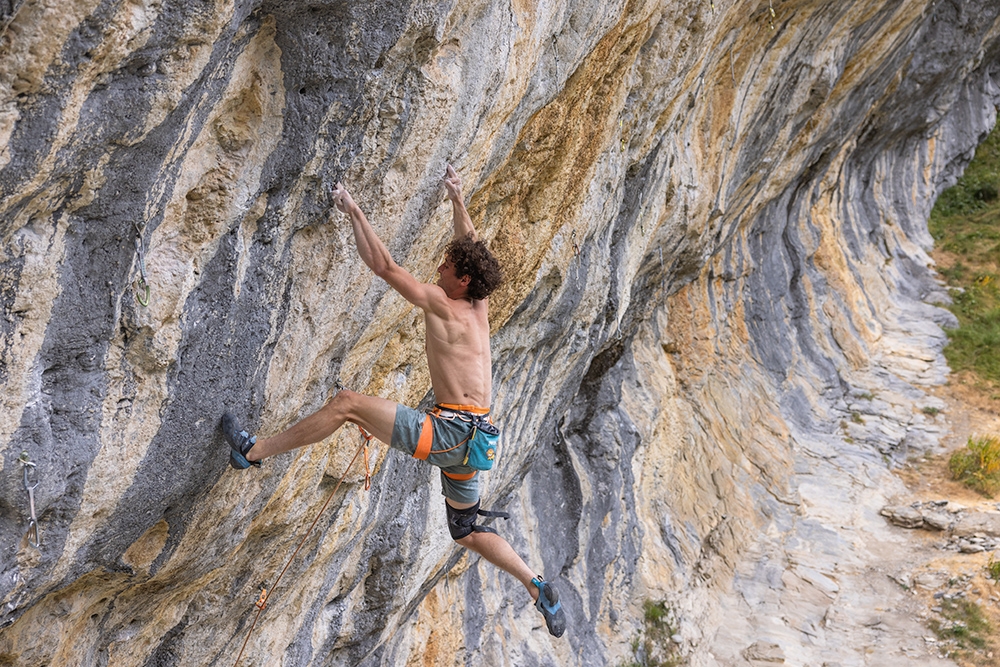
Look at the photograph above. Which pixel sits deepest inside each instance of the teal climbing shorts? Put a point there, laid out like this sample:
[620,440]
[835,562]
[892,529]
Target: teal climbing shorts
[449,449]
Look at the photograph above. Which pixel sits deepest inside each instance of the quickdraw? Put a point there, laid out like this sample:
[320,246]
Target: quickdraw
[367,438]
[663,277]
[30,482]
[142,286]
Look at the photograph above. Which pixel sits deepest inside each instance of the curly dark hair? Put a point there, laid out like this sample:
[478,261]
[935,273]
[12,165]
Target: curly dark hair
[472,258]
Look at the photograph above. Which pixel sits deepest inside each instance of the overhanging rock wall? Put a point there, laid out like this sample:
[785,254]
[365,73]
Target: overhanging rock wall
[712,218]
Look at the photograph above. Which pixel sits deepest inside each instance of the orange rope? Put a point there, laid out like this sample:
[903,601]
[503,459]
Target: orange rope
[265,593]
[368,471]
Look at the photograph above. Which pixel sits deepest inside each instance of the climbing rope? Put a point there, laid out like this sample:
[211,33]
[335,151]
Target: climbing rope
[30,482]
[142,286]
[367,437]
[265,594]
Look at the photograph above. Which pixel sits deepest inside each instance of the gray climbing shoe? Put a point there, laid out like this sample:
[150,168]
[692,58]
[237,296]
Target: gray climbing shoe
[240,442]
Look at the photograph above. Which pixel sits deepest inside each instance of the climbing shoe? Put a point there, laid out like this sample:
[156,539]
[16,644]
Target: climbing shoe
[548,603]
[240,442]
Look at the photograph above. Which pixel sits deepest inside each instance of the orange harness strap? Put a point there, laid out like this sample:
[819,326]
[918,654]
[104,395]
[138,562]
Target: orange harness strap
[426,438]
[461,477]
[474,409]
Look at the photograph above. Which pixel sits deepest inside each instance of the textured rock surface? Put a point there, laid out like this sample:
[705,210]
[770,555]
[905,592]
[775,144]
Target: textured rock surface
[717,332]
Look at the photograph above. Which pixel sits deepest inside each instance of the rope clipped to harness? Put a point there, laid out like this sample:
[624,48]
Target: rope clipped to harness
[265,594]
[482,441]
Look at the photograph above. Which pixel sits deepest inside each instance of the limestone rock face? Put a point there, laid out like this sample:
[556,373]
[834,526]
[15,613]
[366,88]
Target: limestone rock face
[716,332]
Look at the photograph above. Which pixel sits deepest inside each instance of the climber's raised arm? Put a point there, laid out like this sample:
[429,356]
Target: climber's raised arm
[376,256]
[460,216]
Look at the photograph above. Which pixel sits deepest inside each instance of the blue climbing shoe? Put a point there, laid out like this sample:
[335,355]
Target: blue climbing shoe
[240,442]
[548,603]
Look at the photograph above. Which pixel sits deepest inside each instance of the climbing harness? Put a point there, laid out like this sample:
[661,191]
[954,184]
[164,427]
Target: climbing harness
[483,440]
[30,482]
[142,286]
[265,594]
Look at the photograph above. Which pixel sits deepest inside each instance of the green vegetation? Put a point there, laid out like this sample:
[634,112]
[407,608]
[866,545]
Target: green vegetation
[965,224]
[978,464]
[654,647]
[965,625]
[993,570]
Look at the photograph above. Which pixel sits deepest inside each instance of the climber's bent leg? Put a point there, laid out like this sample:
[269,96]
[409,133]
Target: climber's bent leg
[490,546]
[375,415]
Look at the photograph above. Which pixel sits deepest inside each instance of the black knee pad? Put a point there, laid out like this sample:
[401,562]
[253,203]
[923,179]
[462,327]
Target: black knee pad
[461,522]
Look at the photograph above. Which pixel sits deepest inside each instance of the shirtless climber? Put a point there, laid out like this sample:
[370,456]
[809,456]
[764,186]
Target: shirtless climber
[458,356]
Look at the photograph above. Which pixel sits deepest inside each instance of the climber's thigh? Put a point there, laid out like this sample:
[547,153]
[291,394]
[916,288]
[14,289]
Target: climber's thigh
[375,415]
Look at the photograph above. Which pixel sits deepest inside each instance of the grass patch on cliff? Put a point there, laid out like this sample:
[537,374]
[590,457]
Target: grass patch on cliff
[965,224]
[654,646]
[966,631]
[977,465]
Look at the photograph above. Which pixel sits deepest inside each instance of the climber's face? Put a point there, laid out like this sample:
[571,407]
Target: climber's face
[452,285]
